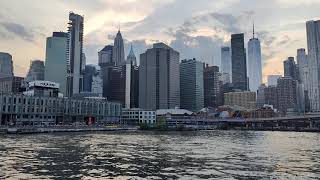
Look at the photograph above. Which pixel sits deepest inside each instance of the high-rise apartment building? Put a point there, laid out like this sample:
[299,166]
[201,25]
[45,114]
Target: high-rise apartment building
[313,41]
[56,59]
[159,78]
[226,64]
[191,85]
[254,63]
[118,50]
[75,55]
[239,65]
[212,86]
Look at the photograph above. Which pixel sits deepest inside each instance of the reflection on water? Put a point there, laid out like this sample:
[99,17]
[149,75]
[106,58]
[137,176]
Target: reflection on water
[161,155]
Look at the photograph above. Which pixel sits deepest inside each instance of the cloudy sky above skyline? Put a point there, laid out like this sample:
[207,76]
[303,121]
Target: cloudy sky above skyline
[194,28]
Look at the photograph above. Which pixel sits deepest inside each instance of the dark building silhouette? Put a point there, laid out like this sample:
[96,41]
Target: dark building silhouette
[212,86]
[239,65]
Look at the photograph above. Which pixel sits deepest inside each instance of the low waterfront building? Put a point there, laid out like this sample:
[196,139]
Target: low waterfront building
[244,99]
[138,116]
[42,105]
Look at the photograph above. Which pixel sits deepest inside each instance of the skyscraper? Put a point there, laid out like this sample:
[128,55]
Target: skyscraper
[6,65]
[118,50]
[290,68]
[191,85]
[56,60]
[212,86]
[313,40]
[75,54]
[106,63]
[254,63]
[131,58]
[302,60]
[89,72]
[239,65]
[226,64]
[159,78]
[36,71]
[132,81]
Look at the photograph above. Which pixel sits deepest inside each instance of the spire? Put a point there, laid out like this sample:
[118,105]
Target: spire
[253,29]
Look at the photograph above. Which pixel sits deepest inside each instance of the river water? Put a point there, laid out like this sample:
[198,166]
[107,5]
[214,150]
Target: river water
[161,155]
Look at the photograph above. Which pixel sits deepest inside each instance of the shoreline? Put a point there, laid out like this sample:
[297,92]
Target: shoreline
[43,130]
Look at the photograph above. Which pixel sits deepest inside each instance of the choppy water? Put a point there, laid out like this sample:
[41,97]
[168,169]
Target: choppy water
[161,155]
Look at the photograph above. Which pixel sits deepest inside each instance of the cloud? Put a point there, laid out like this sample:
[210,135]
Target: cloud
[17,30]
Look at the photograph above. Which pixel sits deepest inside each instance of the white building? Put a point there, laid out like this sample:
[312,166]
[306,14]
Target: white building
[138,116]
[254,63]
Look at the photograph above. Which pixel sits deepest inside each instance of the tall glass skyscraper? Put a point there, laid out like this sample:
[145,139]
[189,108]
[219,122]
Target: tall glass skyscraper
[313,40]
[159,78]
[254,63]
[239,65]
[226,64]
[56,59]
[191,85]
[75,54]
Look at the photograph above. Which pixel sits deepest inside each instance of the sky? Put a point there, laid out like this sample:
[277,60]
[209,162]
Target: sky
[197,29]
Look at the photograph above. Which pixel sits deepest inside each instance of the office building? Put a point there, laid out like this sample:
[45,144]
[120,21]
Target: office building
[261,96]
[273,79]
[212,86]
[313,41]
[92,81]
[75,55]
[159,78]
[6,65]
[271,96]
[132,81]
[290,68]
[56,59]
[254,63]
[191,85]
[106,63]
[36,71]
[226,64]
[239,65]
[302,63]
[243,99]
[131,58]
[287,94]
[118,50]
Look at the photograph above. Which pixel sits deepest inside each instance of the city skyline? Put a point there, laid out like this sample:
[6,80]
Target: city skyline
[199,34]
